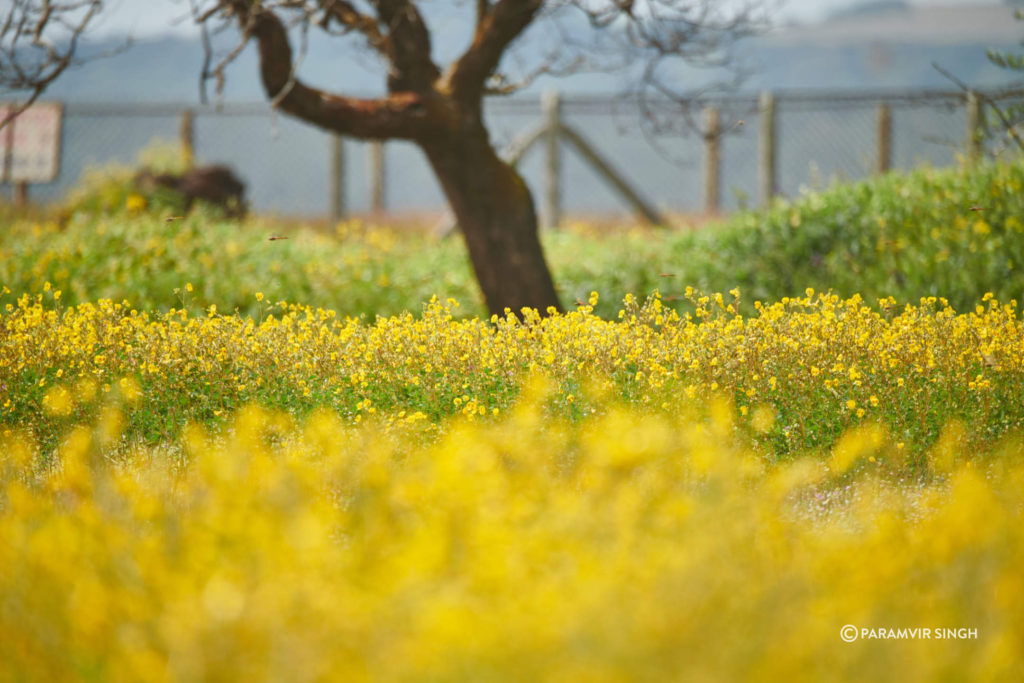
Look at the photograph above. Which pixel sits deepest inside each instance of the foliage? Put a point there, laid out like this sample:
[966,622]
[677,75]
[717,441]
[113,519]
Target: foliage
[150,259]
[954,233]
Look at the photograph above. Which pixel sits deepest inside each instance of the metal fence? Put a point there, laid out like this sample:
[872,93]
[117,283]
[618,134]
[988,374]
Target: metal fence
[292,168]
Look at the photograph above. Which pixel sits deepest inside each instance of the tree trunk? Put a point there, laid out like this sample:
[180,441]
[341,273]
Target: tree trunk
[495,212]
[443,115]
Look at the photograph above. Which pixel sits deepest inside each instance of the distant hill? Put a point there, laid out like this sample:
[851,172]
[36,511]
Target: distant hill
[889,44]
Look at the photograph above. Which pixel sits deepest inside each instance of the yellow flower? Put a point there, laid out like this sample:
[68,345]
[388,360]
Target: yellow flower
[135,203]
[58,401]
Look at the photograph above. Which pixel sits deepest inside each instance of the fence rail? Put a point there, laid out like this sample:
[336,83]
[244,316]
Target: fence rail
[787,140]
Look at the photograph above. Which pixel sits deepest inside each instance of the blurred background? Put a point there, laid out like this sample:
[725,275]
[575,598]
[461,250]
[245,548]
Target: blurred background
[851,83]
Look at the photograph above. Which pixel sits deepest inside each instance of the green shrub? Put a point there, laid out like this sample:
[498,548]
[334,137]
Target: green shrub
[954,233]
[111,189]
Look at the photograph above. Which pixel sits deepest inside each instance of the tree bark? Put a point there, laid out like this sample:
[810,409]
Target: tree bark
[496,215]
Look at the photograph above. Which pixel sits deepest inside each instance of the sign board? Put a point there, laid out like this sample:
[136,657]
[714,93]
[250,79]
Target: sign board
[30,144]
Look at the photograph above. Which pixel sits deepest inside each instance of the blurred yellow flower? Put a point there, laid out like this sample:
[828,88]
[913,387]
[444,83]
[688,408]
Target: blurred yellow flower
[135,203]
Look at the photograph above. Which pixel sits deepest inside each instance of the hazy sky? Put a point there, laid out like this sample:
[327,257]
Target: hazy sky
[153,17]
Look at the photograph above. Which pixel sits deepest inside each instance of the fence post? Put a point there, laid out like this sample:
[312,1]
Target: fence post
[188,138]
[377,176]
[884,153]
[337,179]
[21,194]
[975,130]
[551,105]
[599,164]
[766,148]
[712,170]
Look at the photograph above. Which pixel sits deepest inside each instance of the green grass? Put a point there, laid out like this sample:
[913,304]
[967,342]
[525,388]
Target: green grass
[955,233]
[149,261]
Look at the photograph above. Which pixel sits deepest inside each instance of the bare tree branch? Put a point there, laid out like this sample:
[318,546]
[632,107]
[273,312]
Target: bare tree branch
[500,84]
[38,43]
[1010,126]
[496,28]
[408,46]
[403,114]
[345,14]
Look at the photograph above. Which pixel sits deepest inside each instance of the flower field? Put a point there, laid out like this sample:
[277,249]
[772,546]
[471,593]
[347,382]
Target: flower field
[619,547]
[816,365]
[429,497]
[209,483]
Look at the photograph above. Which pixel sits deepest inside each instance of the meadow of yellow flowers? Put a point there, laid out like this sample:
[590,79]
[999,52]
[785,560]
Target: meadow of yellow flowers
[566,497]
[816,365]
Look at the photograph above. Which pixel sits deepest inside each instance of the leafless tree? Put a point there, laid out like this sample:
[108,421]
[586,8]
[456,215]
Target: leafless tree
[440,107]
[39,40]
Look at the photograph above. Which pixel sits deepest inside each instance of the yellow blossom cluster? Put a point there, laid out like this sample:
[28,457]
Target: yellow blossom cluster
[622,546]
[816,365]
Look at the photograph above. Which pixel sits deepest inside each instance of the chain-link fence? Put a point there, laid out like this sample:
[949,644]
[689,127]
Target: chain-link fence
[287,165]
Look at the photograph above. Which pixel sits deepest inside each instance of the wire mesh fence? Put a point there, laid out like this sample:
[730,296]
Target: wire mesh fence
[287,165]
